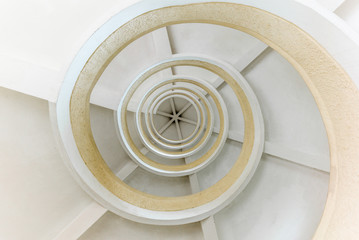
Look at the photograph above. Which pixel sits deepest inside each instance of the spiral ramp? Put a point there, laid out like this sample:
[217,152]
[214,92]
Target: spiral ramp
[179,120]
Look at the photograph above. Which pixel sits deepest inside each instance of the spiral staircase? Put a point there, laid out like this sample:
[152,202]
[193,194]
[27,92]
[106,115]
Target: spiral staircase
[179,120]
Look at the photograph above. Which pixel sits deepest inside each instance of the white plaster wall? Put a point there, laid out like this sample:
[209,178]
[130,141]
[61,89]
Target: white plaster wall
[111,227]
[283,201]
[39,197]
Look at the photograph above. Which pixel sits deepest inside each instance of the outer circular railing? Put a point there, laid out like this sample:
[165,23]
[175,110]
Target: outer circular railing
[305,54]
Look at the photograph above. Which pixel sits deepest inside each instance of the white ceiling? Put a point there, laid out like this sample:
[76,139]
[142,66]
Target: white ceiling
[39,196]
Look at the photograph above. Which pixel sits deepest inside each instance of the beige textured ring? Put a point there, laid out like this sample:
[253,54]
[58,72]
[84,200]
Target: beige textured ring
[336,95]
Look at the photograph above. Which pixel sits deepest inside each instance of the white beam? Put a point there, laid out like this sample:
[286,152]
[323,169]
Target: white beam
[286,153]
[298,157]
[82,222]
[252,54]
[209,229]
[163,48]
[245,60]
[94,211]
[126,170]
[130,166]
[208,225]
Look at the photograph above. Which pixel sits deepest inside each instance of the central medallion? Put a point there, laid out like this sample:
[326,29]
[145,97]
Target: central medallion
[176,118]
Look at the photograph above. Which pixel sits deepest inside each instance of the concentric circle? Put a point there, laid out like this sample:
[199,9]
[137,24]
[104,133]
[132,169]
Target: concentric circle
[194,102]
[169,170]
[166,210]
[195,97]
[101,182]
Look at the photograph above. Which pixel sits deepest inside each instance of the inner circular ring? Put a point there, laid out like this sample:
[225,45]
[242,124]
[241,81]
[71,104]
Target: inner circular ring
[188,152]
[210,123]
[197,95]
[184,95]
[176,116]
[178,170]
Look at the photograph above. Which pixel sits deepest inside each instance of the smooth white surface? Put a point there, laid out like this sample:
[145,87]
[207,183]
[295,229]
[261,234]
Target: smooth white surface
[39,197]
[283,201]
[29,78]
[43,34]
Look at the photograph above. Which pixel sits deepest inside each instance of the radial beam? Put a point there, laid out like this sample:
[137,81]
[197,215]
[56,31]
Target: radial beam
[208,225]
[286,153]
[245,60]
[94,211]
[82,222]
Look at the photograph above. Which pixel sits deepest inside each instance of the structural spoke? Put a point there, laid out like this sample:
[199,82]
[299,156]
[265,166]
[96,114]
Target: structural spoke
[179,133]
[187,120]
[164,114]
[166,126]
[173,106]
[184,109]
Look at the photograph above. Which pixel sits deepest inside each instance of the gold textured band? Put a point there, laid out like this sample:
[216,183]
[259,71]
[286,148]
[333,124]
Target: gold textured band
[335,94]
